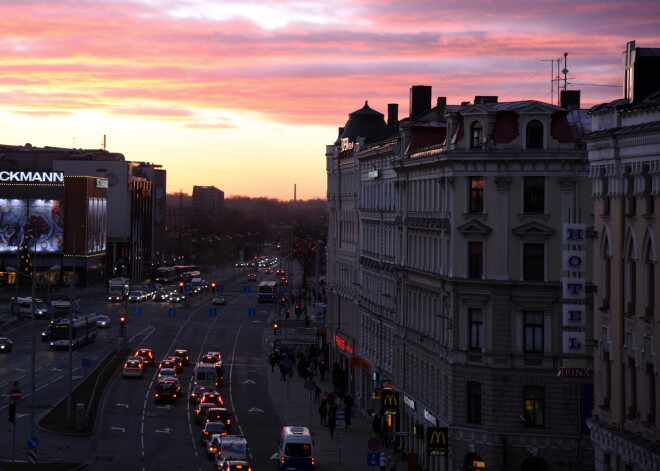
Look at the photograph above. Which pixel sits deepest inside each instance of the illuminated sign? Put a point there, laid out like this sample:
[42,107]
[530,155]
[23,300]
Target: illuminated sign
[343,345]
[390,402]
[101,183]
[409,402]
[346,144]
[574,373]
[31,177]
[430,417]
[436,440]
[373,174]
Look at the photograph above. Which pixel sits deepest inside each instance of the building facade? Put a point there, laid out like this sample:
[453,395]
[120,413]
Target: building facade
[624,155]
[460,260]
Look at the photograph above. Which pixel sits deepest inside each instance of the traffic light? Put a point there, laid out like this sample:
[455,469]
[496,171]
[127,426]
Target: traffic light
[288,312]
[11,412]
[276,328]
[122,322]
[180,286]
[298,309]
[213,287]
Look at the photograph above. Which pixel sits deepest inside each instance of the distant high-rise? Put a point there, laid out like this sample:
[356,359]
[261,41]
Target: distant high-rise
[208,202]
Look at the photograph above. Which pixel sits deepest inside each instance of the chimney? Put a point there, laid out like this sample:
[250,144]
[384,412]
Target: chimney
[420,99]
[485,99]
[393,115]
[570,99]
[441,105]
[341,131]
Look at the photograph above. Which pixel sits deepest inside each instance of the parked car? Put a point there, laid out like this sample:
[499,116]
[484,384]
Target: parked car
[6,345]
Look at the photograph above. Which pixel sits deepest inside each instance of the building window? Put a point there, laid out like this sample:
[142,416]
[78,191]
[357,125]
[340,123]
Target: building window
[474,402]
[533,334]
[534,135]
[630,283]
[476,259]
[534,406]
[631,387]
[607,381]
[477,133]
[606,273]
[533,262]
[534,195]
[476,328]
[631,200]
[649,281]
[476,204]
[650,393]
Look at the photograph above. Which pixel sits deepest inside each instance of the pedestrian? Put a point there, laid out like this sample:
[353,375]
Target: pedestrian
[317,393]
[322,370]
[332,423]
[271,360]
[383,462]
[323,412]
[283,371]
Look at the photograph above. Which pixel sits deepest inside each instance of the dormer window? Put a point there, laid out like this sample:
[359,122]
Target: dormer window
[477,133]
[534,135]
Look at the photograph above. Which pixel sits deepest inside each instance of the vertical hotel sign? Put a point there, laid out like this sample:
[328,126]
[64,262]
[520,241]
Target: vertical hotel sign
[573,288]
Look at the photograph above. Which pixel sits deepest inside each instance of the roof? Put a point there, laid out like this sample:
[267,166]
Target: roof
[365,122]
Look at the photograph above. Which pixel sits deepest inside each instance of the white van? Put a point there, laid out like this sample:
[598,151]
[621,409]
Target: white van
[205,374]
[227,447]
[296,449]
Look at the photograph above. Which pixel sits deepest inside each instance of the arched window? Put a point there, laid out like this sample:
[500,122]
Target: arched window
[534,135]
[477,133]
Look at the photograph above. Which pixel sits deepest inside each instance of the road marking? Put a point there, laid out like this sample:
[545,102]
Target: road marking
[166,430]
[118,428]
[255,409]
[56,369]
[249,381]
[122,405]
[276,456]
[168,407]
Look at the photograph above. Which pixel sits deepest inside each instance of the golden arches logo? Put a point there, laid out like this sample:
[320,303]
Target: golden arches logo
[437,438]
[390,399]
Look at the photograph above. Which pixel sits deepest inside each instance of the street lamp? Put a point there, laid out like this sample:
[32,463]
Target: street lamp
[71,304]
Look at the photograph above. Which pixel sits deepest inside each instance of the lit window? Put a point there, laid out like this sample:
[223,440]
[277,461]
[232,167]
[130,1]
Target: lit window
[476,194]
[534,406]
[477,135]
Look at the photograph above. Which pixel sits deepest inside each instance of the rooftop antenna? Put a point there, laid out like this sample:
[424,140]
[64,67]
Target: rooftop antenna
[104,142]
[552,78]
[565,70]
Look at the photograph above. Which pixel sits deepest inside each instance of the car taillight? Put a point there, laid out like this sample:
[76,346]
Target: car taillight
[313,462]
[282,459]
[228,421]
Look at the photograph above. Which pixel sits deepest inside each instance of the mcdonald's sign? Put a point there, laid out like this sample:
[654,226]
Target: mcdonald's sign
[389,401]
[437,440]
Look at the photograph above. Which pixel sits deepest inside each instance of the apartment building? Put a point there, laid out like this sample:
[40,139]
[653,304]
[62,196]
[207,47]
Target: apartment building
[624,155]
[451,254]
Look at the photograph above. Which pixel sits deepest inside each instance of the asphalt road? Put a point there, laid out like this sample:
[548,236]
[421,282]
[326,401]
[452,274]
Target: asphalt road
[132,432]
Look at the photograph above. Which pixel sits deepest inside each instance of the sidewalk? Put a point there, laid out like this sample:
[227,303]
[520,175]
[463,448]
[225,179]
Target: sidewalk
[348,449]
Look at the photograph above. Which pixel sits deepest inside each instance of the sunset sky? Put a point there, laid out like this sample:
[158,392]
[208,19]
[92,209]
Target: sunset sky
[245,95]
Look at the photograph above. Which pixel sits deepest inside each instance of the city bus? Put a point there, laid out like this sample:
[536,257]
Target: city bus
[59,309]
[22,307]
[268,291]
[83,330]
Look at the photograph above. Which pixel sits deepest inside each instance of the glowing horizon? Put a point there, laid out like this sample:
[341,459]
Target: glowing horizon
[245,95]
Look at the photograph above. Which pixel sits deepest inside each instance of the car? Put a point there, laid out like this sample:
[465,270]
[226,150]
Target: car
[166,372]
[268,270]
[280,272]
[200,412]
[234,465]
[136,358]
[252,277]
[6,345]
[175,380]
[177,298]
[183,355]
[133,369]
[178,364]
[166,363]
[209,429]
[166,391]
[136,296]
[102,321]
[115,297]
[219,300]
[161,295]
[208,359]
[212,397]
[147,355]
[217,355]
[195,395]
[48,333]
[219,414]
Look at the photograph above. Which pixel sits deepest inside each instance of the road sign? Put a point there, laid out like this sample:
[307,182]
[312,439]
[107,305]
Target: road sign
[32,456]
[246,289]
[15,394]
[252,311]
[32,443]
[137,311]
[373,444]
[220,289]
[171,312]
[121,311]
[373,459]
[213,312]
[340,414]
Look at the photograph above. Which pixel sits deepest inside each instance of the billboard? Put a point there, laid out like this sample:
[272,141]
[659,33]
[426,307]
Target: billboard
[97,224]
[42,220]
